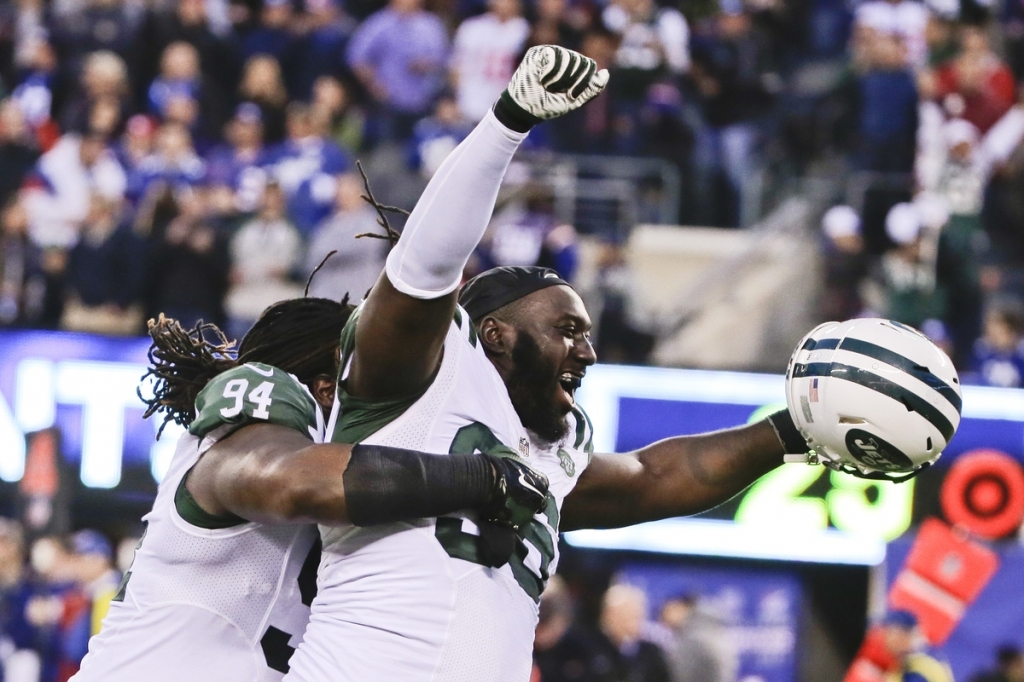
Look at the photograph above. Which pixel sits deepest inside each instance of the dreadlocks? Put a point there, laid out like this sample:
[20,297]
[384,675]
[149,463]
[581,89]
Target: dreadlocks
[299,336]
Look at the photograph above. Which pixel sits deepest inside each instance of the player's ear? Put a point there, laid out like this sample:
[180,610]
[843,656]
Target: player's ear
[496,336]
[324,387]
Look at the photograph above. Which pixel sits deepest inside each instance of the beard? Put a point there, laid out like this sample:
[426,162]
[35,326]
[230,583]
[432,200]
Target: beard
[531,386]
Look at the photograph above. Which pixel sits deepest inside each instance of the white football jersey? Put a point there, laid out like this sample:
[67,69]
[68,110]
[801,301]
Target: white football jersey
[410,601]
[214,599]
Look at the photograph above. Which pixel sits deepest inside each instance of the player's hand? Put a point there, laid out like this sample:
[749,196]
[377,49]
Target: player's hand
[550,81]
[519,493]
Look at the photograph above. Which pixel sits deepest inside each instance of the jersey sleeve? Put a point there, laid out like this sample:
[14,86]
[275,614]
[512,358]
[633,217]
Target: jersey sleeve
[256,394]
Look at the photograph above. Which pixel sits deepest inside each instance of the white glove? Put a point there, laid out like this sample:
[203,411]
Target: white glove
[550,81]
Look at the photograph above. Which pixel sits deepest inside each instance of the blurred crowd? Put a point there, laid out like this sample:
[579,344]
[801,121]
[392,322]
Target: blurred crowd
[56,589]
[932,239]
[687,643]
[54,593]
[196,157]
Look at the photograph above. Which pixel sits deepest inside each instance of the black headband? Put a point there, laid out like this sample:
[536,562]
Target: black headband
[498,287]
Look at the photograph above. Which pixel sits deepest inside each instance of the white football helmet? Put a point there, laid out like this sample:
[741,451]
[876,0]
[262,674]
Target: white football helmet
[873,398]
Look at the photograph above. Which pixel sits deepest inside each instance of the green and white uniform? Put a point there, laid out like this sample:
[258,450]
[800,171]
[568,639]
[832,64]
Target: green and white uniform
[210,598]
[410,601]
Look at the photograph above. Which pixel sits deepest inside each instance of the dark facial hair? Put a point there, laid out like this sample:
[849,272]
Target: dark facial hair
[531,386]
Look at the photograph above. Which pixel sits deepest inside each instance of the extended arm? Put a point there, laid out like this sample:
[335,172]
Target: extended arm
[273,474]
[404,321]
[401,329]
[673,477]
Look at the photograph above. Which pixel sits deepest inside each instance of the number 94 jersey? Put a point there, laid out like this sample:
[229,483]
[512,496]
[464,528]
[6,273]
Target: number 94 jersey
[211,598]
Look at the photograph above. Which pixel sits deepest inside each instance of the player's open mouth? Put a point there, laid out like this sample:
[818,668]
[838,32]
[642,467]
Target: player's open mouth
[569,383]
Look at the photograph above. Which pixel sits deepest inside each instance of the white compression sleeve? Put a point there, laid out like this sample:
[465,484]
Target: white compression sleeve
[450,218]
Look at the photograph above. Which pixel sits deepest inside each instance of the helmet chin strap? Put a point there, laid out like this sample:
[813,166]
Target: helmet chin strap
[812,458]
[877,475]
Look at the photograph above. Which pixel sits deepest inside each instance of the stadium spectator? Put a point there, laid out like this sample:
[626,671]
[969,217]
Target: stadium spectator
[22,278]
[563,652]
[18,658]
[188,21]
[173,162]
[305,165]
[274,36]
[344,118]
[846,264]
[137,142]
[903,640]
[434,137]
[182,95]
[887,104]
[527,233]
[104,274]
[237,165]
[188,264]
[998,357]
[400,55]
[96,577]
[358,262]
[38,93]
[963,172]
[910,292]
[263,85]
[700,649]
[1009,666]
[623,614]
[654,44]
[54,608]
[941,38]
[652,54]
[327,32]
[485,51]
[18,149]
[735,82]
[976,83]
[104,88]
[58,195]
[264,252]
[591,129]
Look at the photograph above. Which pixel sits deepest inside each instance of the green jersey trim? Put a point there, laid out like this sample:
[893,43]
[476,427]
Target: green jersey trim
[361,417]
[190,511]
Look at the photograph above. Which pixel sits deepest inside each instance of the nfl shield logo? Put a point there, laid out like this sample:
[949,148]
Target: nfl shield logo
[813,393]
[524,446]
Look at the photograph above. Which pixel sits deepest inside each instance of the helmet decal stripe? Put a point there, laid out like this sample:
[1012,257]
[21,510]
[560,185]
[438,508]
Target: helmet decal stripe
[906,364]
[820,344]
[883,386]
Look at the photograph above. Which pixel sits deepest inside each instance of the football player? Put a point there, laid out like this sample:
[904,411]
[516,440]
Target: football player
[222,579]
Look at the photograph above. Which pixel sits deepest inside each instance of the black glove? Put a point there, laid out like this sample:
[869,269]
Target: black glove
[519,492]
